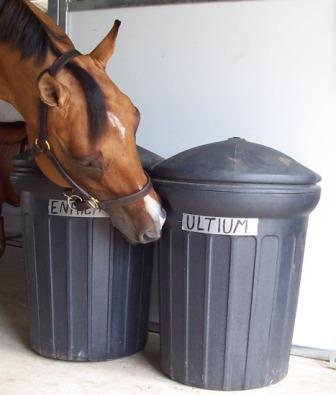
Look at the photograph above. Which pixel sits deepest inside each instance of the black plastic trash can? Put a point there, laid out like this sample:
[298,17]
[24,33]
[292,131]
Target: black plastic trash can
[88,289]
[230,262]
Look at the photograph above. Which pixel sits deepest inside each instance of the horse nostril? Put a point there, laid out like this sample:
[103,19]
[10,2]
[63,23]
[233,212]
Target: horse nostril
[149,237]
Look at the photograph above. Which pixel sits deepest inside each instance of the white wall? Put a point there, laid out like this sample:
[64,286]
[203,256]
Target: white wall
[8,113]
[263,70]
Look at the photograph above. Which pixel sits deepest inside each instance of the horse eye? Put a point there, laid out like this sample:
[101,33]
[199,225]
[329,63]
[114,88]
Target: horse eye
[91,163]
[88,164]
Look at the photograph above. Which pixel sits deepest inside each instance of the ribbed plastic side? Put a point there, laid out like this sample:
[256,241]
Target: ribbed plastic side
[88,289]
[228,305]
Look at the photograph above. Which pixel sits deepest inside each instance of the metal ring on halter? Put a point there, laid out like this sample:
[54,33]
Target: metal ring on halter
[73,199]
[40,148]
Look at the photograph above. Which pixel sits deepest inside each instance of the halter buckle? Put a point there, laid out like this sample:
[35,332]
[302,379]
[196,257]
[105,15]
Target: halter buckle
[93,202]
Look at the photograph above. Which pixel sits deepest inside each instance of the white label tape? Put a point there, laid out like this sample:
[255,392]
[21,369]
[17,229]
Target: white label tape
[220,225]
[61,208]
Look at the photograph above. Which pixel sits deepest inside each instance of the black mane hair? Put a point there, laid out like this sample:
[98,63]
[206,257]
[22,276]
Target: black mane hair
[21,29]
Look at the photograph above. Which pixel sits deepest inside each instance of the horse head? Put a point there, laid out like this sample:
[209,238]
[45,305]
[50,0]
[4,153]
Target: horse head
[92,127]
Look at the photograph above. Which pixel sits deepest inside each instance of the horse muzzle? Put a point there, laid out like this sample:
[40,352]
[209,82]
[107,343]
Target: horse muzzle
[140,225]
[154,234]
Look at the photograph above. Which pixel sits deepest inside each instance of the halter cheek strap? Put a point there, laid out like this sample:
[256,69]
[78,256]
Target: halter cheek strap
[76,196]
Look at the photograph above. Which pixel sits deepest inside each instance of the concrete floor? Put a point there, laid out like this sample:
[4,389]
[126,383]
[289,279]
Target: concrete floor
[23,372]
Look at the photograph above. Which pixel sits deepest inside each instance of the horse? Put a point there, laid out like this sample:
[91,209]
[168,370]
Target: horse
[80,125]
[12,142]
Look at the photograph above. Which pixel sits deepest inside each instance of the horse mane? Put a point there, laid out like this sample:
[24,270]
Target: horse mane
[21,29]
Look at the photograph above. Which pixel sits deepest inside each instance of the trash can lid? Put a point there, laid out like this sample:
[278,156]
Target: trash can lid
[24,163]
[148,158]
[235,160]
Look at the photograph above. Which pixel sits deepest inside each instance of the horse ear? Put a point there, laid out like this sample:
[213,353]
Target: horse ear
[105,49]
[52,92]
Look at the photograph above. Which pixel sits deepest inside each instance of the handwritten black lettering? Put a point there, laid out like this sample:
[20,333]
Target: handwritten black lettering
[228,222]
[193,222]
[241,223]
[199,225]
[53,208]
[210,219]
[64,208]
[220,225]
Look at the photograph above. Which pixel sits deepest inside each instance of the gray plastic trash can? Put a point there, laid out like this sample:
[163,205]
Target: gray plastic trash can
[230,262]
[88,289]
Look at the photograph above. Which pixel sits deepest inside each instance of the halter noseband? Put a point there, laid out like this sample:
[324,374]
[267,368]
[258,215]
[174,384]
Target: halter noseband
[76,196]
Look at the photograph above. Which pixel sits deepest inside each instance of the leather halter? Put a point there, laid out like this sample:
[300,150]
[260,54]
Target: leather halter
[76,196]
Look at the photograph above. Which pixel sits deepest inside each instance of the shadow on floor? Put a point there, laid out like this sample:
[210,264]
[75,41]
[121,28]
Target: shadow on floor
[152,354]
[13,300]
